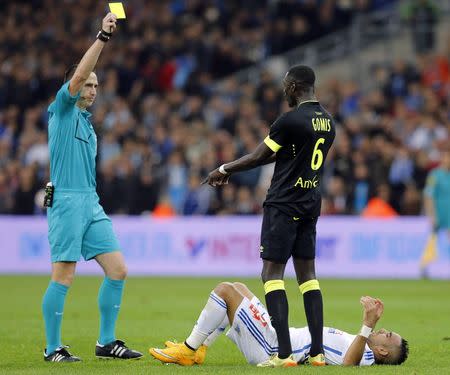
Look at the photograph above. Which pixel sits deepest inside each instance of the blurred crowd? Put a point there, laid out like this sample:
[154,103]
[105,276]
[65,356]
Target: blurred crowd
[162,125]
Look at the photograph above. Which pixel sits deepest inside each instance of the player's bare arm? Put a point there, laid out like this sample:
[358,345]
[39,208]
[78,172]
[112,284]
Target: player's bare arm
[271,159]
[261,156]
[90,58]
[373,309]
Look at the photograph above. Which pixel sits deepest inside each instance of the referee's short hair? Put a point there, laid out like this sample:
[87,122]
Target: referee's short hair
[302,75]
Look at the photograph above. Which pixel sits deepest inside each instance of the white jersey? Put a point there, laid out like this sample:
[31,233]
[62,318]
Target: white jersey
[335,345]
[255,337]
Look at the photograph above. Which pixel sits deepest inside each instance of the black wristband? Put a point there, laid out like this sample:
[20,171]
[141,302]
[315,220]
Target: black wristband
[104,36]
[106,33]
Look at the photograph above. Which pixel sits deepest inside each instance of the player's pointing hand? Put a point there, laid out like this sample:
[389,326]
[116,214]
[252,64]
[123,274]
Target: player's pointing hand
[109,23]
[216,178]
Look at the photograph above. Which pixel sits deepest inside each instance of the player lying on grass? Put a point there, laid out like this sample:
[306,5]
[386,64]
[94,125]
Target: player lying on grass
[251,330]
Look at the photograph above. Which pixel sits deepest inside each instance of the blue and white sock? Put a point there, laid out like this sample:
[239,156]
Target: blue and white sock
[210,319]
[53,309]
[109,300]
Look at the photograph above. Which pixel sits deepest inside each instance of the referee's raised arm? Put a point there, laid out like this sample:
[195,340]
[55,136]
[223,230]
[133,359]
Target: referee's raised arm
[89,60]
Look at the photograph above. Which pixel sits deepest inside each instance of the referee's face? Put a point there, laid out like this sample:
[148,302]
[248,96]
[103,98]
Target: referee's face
[89,91]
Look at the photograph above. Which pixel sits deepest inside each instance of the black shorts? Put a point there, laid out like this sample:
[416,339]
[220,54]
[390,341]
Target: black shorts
[283,236]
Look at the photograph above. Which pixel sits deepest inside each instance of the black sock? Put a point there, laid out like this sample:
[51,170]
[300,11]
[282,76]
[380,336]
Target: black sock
[278,308]
[312,301]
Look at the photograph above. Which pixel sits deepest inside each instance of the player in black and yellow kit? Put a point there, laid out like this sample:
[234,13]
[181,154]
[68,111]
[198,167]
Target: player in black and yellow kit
[298,142]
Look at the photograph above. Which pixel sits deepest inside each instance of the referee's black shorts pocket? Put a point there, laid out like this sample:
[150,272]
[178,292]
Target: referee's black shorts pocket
[278,235]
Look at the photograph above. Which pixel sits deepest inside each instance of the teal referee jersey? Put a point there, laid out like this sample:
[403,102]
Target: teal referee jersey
[77,223]
[72,143]
[438,188]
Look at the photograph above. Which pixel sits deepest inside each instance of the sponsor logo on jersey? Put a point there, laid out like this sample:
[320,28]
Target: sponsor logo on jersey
[307,184]
[335,331]
[257,315]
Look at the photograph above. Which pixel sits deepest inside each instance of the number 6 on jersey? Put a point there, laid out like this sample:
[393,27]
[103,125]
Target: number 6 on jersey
[317,156]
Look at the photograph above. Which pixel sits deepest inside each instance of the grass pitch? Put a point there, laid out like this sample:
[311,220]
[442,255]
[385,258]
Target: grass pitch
[156,309]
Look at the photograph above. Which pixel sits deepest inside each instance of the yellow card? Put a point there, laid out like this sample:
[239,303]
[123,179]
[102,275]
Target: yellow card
[117,9]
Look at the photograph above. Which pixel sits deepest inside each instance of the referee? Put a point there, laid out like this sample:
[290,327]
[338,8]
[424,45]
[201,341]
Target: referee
[437,194]
[298,142]
[77,224]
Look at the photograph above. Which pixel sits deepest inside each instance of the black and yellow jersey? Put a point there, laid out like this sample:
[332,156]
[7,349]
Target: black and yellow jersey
[301,139]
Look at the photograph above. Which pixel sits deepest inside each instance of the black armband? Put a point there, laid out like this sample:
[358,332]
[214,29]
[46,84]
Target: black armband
[104,36]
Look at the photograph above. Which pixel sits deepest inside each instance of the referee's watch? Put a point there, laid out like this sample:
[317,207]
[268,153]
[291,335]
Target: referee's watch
[104,36]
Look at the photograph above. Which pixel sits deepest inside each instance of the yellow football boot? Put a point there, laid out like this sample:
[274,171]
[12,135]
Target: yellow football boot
[274,361]
[179,354]
[318,360]
[200,353]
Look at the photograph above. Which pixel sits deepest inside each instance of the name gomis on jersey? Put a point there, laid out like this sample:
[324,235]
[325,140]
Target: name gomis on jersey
[321,124]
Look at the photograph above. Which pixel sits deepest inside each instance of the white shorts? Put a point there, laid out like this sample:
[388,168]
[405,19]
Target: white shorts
[252,331]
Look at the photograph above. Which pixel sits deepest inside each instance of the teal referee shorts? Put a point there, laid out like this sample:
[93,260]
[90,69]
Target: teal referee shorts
[78,225]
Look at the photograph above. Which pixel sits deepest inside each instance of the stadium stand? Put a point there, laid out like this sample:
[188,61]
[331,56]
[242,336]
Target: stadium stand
[163,123]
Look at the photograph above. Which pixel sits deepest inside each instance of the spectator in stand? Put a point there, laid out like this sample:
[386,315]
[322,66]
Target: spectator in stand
[400,173]
[198,197]
[24,194]
[338,195]
[177,180]
[422,17]
[379,205]
[361,188]
[6,196]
